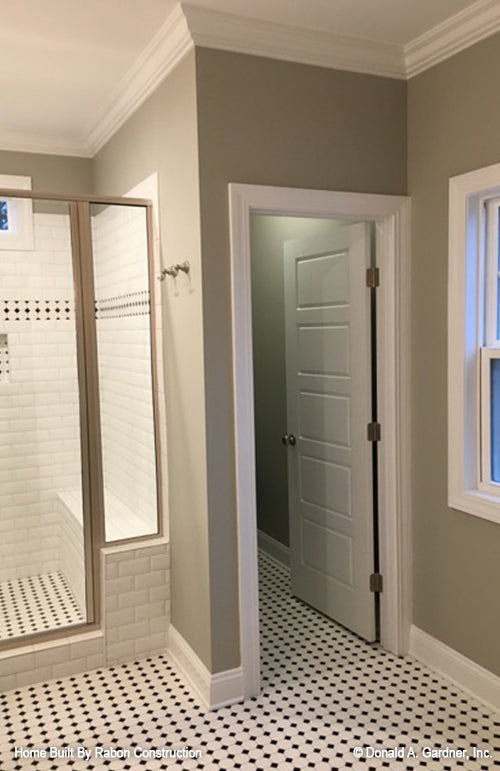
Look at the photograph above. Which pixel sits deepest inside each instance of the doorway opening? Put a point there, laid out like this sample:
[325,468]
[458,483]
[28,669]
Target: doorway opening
[391,217]
[314,364]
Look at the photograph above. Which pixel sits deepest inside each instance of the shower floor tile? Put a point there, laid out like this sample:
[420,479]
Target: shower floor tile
[325,692]
[35,604]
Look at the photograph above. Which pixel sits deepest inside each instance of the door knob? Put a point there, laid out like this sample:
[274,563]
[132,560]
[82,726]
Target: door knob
[289,439]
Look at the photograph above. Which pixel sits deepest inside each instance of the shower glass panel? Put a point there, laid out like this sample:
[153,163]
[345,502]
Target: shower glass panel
[124,360]
[42,554]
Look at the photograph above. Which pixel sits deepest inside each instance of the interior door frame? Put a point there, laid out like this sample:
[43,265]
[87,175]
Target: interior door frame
[392,217]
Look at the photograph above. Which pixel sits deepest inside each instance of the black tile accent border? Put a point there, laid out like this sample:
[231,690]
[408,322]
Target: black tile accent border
[37,310]
[130,304]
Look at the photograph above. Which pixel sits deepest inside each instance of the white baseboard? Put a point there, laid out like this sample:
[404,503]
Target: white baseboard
[226,688]
[480,683]
[213,690]
[273,548]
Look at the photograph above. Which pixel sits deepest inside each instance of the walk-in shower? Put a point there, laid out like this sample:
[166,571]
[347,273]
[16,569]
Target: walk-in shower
[78,449]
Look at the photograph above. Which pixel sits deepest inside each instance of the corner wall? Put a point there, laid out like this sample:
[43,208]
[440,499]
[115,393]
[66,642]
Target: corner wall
[162,137]
[453,117]
[272,123]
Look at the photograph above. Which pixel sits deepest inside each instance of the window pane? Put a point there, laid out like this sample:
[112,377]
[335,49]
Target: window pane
[4,215]
[498,280]
[495,420]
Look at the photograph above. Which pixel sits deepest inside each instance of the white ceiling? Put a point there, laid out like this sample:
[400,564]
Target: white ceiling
[389,21]
[73,70]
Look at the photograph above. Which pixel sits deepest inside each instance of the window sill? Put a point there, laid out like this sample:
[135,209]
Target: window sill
[478,503]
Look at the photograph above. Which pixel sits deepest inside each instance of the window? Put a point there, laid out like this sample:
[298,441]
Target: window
[16,214]
[4,215]
[474,343]
[490,353]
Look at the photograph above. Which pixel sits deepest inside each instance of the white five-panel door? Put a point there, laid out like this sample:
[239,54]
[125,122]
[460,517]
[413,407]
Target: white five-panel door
[327,307]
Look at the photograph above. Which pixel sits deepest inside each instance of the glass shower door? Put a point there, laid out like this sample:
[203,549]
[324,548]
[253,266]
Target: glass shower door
[44,544]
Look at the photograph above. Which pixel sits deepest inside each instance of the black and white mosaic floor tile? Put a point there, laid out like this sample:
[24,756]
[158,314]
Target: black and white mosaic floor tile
[325,693]
[35,604]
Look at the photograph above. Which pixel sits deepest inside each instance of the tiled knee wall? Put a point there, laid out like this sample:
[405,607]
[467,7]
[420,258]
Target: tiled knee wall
[136,601]
[135,616]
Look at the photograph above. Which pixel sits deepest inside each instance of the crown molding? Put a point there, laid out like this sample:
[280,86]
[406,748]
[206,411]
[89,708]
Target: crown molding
[188,25]
[229,32]
[460,31]
[170,44]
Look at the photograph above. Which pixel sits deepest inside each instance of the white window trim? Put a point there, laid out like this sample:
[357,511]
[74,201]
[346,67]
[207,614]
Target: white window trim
[21,211]
[465,339]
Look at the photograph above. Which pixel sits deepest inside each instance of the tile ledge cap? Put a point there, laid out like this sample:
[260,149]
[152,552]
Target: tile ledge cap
[133,545]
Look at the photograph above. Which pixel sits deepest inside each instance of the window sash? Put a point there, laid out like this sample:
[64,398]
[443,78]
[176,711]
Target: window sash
[491,277]
[486,482]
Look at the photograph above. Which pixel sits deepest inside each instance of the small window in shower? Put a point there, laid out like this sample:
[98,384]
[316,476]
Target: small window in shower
[124,359]
[16,215]
[4,215]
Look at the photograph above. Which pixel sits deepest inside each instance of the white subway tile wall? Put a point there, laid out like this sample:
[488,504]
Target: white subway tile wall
[39,409]
[136,601]
[124,355]
[72,553]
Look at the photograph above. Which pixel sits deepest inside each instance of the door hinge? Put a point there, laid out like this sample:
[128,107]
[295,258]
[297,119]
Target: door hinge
[376,583]
[374,432]
[372,278]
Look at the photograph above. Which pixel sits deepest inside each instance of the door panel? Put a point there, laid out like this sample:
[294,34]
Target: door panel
[326,485]
[325,418]
[327,551]
[323,350]
[328,408]
[324,280]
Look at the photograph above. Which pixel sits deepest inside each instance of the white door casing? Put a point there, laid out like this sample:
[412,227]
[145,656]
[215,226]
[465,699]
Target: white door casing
[392,217]
[328,358]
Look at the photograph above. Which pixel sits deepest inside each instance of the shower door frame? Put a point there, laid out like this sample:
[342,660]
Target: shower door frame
[92,481]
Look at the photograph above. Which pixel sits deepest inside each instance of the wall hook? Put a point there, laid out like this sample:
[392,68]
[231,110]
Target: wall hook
[173,270]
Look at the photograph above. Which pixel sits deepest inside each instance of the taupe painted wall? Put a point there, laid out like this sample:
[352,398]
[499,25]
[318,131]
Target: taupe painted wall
[161,136]
[50,173]
[453,117]
[267,237]
[276,123]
